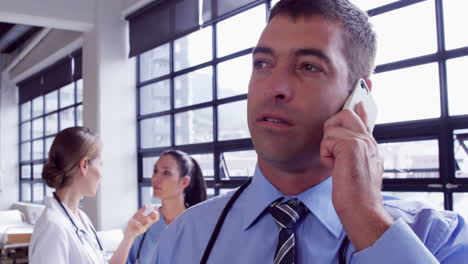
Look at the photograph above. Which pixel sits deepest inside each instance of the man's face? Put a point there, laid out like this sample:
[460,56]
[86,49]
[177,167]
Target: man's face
[299,80]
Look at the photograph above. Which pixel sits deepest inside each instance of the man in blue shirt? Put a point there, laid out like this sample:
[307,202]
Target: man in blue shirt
[307,60]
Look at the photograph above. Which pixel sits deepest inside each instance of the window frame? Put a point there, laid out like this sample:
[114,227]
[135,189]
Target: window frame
[43,138]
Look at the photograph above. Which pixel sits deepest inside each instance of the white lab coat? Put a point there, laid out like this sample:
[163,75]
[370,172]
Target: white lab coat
[55,240]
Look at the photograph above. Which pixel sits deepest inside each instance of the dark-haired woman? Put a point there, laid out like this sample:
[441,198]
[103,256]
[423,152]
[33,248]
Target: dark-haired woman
[178,182]
[64,233]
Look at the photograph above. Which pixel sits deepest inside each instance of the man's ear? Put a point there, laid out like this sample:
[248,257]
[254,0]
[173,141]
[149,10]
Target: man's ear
[368,83]
[84,163]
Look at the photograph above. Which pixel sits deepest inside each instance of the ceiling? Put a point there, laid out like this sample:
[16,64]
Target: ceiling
[14,36]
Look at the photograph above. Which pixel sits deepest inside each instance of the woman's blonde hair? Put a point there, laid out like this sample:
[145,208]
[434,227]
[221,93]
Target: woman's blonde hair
[70,146]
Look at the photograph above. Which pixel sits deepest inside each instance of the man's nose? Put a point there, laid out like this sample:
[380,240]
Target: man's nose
[281,84]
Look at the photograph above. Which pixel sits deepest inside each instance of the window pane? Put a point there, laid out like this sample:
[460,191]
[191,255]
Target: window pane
[79,115]
[273,3]
[26,172]
[155,132]
[461,153]
[193,49]
[154,97]
[49,191]
[397,32]
[232,120]
[407,94]
[37,171]
[38,149]
[26,151]
[206,163]
[194,88]
[417,159]
[457,85]
[51,124]
[26,131]
[433,199]
[238,163]
[148,166]
[38,106]
[79,91]
[38,192]
[146,194]
[51,101]
[67,95]
[234,76]
[154,63]
[26,111]
[67,118]
[38,128]
[210,192]
[48,144]
[26,192]
[455,21]
[194,126]
[231,39]
[371,4]
[460,200]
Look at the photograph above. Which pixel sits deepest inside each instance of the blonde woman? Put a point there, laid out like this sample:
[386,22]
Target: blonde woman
[64,233]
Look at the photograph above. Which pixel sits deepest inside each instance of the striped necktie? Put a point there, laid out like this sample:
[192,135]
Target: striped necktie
[287,215]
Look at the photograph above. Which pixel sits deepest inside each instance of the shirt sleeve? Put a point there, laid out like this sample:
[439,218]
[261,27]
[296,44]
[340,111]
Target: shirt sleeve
[454,248]
[133,251]
[50,246]
[445,243]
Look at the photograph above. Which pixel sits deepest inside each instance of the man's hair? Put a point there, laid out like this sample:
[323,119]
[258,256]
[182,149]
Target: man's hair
[359,38]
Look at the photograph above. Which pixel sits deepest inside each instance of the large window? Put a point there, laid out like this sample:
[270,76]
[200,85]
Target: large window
[192,96]
[50,101]
[40,120]
[419,87]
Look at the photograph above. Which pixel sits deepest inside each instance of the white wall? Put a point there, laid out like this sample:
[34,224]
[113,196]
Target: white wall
[64,14]
[9,189]
[111,111]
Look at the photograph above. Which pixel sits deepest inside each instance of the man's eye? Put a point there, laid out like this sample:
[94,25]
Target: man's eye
[310,67]
[260,64]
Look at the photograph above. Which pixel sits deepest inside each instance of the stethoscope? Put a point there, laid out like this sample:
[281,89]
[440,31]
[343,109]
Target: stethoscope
[137,259]
[77,230]
[222,217]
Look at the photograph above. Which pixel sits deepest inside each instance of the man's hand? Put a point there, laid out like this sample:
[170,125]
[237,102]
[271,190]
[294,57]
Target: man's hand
[139,223]
[349,149]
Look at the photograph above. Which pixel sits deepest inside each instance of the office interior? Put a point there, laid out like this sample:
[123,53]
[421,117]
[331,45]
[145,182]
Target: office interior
[152,75]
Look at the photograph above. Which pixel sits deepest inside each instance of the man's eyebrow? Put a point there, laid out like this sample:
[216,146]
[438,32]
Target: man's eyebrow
[298,52]
[313,52]
[265,50]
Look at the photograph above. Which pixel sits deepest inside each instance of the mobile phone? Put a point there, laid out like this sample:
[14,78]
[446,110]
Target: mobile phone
[362,93]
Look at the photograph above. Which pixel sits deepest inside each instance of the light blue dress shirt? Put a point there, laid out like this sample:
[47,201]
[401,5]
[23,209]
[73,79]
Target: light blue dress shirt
[249,234]
[149,244]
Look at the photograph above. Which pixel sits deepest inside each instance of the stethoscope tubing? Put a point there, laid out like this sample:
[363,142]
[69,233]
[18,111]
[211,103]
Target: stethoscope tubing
[343,247]
[77,230]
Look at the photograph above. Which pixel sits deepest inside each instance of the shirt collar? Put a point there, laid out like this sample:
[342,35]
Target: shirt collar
[318,199]
[52,203]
